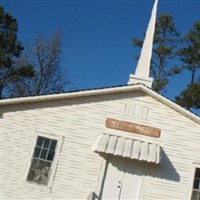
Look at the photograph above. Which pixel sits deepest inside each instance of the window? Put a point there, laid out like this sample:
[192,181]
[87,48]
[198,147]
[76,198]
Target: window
[42,159]
[196,185]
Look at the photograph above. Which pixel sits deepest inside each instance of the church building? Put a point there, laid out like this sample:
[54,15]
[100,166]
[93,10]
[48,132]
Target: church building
[122,142]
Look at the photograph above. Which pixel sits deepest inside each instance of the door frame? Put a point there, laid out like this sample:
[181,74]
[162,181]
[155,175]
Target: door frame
[102,176]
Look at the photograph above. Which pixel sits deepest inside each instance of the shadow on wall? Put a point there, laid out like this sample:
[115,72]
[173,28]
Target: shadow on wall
[163,170]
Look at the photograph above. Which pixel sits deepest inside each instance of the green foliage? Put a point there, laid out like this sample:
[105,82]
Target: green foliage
[25,71]
[190,54]
[190,97]
[35,72]
[10,50]
[158,84]
[166,40]
[168,46]
[8,38]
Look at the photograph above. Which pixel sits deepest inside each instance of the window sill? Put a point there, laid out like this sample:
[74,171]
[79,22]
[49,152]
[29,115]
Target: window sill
[37,187]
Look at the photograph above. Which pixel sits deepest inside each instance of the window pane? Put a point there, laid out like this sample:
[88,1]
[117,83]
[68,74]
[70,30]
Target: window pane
[195,195]
[47,167]
[197,174]
[43,154]
[34,164]
[196,184]
[50,155]
[53,144]
[46,143]
[48,164]
[39,141]
[41,174]
[41,164]
[43,179]
[31,175]
[37,152]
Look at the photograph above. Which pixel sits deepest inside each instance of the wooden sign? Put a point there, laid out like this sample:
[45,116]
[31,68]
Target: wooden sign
[132,127]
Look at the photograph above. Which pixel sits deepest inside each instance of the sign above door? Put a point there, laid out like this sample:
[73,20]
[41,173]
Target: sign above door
[133,127]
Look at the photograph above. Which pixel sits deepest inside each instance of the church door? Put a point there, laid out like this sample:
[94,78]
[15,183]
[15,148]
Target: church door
[122,179]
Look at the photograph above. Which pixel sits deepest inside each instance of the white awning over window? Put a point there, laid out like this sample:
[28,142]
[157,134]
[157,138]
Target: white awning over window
[126,147]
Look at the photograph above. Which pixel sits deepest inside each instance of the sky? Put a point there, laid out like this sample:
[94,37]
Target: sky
[97,48]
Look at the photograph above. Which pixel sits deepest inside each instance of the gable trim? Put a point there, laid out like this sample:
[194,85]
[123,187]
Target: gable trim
[104,91]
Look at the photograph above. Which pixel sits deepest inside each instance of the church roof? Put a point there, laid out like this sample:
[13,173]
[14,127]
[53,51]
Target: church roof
[103,91]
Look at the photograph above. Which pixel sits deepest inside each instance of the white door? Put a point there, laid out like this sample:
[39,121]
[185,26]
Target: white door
[131,182]
[121,179]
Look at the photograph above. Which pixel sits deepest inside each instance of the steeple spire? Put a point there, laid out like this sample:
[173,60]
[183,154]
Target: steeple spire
[143,66]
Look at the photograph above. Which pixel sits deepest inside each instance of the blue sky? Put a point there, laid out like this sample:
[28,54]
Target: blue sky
[97,49]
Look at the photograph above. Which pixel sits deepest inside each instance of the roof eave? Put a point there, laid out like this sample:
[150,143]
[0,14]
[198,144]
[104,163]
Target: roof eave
[103,91]
[76,94]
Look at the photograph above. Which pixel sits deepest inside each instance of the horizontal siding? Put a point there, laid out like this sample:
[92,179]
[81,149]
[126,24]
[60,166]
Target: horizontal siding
[181,148]
[80,122]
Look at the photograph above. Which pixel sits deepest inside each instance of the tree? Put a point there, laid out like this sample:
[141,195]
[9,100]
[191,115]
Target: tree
[190,55]
[44,57]
[190,97]
[166,38]
[10,50]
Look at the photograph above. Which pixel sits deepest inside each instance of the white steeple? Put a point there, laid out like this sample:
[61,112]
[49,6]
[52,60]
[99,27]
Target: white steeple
[143,66]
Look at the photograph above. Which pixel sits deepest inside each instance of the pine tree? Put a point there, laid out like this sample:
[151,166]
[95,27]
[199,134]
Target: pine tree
[190,55]
[190,97]
[10,50]
[166,38]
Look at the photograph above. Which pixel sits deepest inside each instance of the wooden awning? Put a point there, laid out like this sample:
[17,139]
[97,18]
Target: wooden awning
[126,147]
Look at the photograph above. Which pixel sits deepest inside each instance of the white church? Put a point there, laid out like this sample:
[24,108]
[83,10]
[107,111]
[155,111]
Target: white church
[123,142]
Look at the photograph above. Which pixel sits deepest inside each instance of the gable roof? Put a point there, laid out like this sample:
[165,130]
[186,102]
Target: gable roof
[103,91]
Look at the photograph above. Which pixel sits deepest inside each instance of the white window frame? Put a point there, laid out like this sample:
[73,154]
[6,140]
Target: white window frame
[54,162]
[191,182]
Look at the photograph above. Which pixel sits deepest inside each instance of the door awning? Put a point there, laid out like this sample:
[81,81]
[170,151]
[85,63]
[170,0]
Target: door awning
[126,147]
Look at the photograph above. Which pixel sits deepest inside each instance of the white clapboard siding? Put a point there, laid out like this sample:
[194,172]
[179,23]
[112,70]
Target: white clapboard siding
[80,121]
